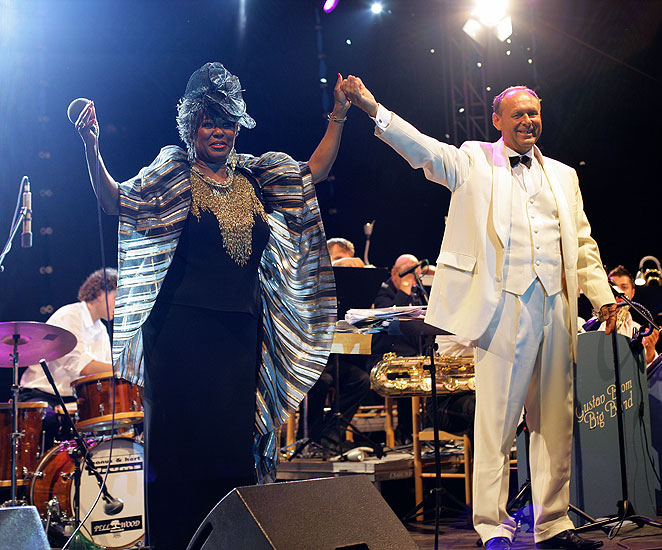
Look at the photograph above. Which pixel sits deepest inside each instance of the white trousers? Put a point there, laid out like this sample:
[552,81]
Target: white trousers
[523,360]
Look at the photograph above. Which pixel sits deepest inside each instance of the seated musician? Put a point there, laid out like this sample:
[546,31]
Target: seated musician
[625,325]
[91,355]
[399,291]
[342,253]
[455,411]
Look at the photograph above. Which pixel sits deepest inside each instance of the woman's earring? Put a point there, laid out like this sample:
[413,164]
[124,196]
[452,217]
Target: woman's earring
[233,157]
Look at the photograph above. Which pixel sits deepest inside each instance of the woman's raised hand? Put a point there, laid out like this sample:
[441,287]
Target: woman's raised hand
[87,125]
[341,102]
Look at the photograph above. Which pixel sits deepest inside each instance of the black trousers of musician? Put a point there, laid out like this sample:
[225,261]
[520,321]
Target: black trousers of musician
[354,385]
[200,383]
[455,413]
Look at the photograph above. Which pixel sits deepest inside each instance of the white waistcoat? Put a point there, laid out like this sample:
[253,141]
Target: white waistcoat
[534,248]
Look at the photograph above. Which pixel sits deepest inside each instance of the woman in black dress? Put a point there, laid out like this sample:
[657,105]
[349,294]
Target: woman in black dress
[225,301]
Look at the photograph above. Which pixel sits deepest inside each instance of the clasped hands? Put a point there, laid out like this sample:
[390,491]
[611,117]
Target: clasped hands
[607,315]
[356,93]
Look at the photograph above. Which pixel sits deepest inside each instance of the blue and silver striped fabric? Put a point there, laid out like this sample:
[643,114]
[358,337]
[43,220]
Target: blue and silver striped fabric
[298,289]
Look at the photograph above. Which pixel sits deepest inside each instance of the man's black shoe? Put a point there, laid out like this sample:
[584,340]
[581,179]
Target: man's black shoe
[569,540]
[498,543]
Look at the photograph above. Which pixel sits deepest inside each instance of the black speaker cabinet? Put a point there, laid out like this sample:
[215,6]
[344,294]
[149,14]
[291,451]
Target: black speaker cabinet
[21,529]
[343,513]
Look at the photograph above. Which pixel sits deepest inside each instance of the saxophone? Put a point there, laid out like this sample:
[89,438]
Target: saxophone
[397,376]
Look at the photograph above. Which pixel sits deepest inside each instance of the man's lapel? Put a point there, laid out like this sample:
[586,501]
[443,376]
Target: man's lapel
[502,190]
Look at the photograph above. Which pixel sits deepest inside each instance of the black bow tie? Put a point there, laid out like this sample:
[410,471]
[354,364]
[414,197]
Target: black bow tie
[525,160]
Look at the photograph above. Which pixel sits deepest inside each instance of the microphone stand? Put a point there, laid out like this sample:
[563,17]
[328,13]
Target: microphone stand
[367,230]
[81,451]
[421,288]
[12,234]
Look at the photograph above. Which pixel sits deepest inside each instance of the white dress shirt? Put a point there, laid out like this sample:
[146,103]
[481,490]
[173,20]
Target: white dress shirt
[93,345]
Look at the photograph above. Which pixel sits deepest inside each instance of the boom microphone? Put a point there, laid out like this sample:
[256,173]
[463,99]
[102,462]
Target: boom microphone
[26,235]
[413,268]
[76,108]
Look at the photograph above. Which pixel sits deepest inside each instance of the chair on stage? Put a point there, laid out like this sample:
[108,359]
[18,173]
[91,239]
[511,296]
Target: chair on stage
[457,466]
[380,416]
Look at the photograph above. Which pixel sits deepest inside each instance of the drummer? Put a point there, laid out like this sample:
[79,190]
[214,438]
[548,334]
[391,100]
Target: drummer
[90,356]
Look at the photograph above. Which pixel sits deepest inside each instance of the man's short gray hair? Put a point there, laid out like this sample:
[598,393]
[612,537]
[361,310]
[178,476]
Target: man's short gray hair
[496,104]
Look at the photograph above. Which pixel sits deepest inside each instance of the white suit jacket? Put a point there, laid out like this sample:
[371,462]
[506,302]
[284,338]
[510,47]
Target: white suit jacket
[469,278]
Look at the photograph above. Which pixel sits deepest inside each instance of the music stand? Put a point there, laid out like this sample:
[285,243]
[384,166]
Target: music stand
[356,287]
[427,333]
[625,510]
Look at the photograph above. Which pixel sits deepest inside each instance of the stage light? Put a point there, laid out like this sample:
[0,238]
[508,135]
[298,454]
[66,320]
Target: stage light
[323,80]
[348,42]
[489,14]
[376,7]
[330,5]
[474,29]
[504,29]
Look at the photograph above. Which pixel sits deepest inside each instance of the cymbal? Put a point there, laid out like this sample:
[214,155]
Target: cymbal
[36,341]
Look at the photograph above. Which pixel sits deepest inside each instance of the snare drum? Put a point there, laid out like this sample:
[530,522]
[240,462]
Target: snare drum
[30,420]
[125,482]
[94,396]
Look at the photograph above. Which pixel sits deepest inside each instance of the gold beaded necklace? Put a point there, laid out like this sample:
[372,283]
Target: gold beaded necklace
[235,206]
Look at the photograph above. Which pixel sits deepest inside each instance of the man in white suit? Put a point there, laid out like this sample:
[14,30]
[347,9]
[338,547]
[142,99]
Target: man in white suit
[516,245]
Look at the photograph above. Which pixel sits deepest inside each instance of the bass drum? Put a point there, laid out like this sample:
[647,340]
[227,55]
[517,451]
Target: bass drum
[54,480]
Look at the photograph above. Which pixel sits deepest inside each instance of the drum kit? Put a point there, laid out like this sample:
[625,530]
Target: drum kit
[65,482]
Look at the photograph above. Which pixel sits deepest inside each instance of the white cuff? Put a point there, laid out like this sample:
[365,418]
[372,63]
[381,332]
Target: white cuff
[383,117]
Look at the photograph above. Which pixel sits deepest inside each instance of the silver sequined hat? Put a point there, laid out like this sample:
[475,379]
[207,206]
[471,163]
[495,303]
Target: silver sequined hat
[216,84]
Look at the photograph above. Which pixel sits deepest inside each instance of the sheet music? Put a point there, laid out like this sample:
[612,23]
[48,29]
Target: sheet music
[354,316]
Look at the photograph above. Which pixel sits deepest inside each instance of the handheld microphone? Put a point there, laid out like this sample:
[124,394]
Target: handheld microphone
[26,235]
[76,108]
[594,323]
[413,268]
[616,290]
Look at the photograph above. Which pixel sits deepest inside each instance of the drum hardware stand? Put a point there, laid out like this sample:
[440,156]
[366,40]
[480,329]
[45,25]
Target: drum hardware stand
[14,413]
[625,508]
[430,347]
[81,453]
[523,497]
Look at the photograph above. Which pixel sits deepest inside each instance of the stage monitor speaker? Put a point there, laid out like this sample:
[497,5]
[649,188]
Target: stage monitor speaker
[343,513]
[21,529]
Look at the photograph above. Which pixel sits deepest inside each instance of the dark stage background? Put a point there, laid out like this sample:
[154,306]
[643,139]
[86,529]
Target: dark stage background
[596,65]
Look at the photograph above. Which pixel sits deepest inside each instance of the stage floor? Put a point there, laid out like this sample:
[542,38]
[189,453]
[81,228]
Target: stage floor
[393,477]
[630,537]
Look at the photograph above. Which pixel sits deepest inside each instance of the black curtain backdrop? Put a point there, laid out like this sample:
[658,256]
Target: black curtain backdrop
[596,67]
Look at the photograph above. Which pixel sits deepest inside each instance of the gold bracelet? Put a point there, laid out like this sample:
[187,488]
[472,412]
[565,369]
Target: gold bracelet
[334,118]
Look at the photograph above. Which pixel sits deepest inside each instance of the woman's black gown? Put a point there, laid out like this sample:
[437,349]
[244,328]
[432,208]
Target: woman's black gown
[201,345]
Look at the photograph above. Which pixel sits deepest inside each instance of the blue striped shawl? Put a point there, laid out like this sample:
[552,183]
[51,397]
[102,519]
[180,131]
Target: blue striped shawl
[298,289]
